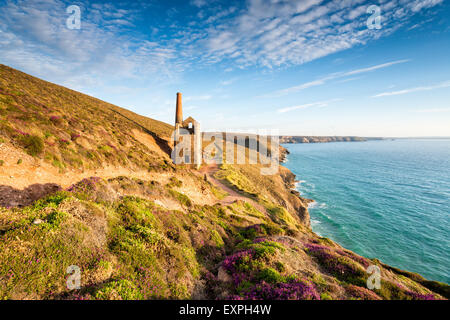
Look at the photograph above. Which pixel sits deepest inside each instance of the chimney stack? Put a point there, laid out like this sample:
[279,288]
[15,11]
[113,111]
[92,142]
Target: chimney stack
[179,112]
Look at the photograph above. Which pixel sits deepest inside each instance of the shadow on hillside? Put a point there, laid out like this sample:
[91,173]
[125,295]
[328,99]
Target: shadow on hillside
[162,143]
[11,197]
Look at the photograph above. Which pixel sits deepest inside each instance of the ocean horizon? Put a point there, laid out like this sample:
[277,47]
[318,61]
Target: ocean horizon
[385,199]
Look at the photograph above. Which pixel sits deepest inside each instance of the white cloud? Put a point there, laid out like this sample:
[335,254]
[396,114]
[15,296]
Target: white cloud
[36,40]
[199,3]
[373,68]
[445,84]
[275,33]
[421,4]
[308,105]
[338,75]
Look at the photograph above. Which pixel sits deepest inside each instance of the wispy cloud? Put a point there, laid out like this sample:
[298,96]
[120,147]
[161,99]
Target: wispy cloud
[373,68]
[319,104]
[197,98]
[328,78]
[227,82]
[445,84]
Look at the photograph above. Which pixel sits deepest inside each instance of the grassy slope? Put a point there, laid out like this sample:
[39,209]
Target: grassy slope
[69,129]
[143,239]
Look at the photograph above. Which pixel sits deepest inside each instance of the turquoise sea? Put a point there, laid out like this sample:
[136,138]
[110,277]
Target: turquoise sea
[386,199]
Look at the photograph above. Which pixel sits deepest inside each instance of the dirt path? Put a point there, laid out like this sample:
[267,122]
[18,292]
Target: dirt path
[233,196]
[22,183]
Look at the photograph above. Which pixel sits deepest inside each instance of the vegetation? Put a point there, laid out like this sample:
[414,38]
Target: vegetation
[172,234]
[72,130]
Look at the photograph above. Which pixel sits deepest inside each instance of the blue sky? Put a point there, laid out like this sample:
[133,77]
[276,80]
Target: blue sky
[304,67]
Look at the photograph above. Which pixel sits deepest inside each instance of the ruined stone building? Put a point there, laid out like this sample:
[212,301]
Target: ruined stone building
[187,138]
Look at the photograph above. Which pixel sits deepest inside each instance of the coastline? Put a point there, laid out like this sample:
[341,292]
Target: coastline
[324,139]
[312,202]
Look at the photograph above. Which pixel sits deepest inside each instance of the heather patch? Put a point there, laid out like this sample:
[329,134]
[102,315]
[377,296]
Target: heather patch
[291,290]
[363,261]
[341,267]
[419,296]
[397,291]
[258,230]
[256,275]
[85,188]
[361,293]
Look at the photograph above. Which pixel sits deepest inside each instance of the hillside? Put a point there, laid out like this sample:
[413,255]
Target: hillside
[86,183]
[63,130]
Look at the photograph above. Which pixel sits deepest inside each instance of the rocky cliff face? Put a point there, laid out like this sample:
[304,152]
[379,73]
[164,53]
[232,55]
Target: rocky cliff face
[110,201]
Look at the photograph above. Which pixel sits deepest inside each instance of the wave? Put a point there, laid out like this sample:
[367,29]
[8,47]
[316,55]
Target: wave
[317,205]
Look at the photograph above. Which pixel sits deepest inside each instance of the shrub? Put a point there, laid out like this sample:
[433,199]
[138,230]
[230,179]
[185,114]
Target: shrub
[74,136]
[182,198]
[341,267]
[361,293]
[325,296]
[55,218]
[215,236]
[51,201]
[419,296]
[293,290]
[56,120]
[32,144]
[174,182]
[270,275]
[63,142]
[119,289]
[86,185]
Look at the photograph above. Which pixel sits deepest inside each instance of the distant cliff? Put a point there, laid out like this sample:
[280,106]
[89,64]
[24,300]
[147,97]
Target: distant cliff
[313,139]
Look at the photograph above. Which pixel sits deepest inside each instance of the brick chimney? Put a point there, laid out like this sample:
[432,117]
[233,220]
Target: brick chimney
[179,112]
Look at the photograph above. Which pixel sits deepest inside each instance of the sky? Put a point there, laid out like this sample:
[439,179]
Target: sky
[302,67]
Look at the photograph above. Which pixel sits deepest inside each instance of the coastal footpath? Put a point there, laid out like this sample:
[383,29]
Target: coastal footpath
[88,184]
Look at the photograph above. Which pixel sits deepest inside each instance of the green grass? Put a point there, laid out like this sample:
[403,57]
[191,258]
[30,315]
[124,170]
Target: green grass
[42,118]
[215,236]
[34,145]
[181,198]
[119,289]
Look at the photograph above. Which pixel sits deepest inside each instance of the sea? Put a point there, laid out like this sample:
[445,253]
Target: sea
[385,199]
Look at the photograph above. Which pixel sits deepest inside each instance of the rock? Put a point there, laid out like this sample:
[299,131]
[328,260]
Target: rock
[223,275]
[159,203]
[37,221]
